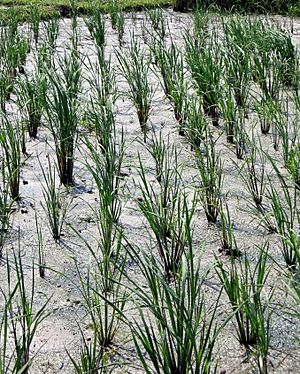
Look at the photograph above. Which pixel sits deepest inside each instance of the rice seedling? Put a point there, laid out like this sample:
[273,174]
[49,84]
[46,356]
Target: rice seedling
[106,173]
[6,85]
[237,63]
[120,26]
[201,21]
[52,30]
[167,211]
[104,306]
[99,115]
[91,357]
[244,287]
[41,251]
[286,218]
[21,319]
[35,22]
[228,241]
[55,206]
[96,26]
[171,65]
[5,208]
[31,100]
[157,20]
[158,150]
[195,123]
[106,170]
[114,9]
[172,335]
[135,69]
[254,177]
[230,114]
[11,152]
[241,136]
[210,170]
[206,65]
[62,108]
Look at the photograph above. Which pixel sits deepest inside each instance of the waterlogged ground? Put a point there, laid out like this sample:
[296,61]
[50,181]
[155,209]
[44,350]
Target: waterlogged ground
[60,332]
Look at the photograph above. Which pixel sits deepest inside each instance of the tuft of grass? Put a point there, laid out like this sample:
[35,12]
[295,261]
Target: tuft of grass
[21,319]
[244,288]
[55,206]
[167,211]
[62,108]
[210,170]
[135,69]
[175,331]
[10,141]
[31,101]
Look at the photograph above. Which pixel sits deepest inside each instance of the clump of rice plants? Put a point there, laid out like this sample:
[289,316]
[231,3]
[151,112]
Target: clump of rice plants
[227,237]
[244,287]
[210,170]
[5,207]
[31,98]
[96,26]
[206,65]
[171,65]
[55,206]
[175,329]
[237,62]
[157,20]
[195,123]
[52,30]
[21,319]
[10,141]
[135,69]
[62,108]
[35,22]
[167,212]
[158,150]
[286,218]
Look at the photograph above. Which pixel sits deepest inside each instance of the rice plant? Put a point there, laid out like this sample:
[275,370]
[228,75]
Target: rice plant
[158,150]
[286,218]
[35,22]
[41,249]
[31,100]
[52,30]
[175,332]
[91,357]
[11,152]
[106,172]
[21,319]
[157,20]
[237,62]
[244,287]
[195,123]
[171,65]
[54,205]
[210,170]
[230,114]
[228,241]
[62,108]
[241,136]
[135,69]
[104,306]
[168,213]
[6,85]
[100,115]
[5,208]
[206,65]
[96,26]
